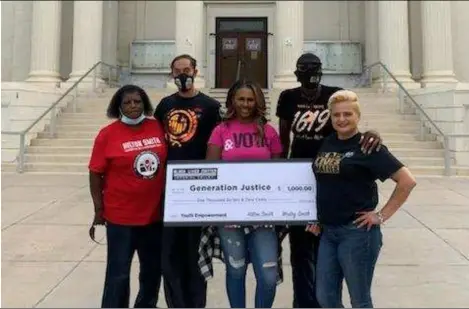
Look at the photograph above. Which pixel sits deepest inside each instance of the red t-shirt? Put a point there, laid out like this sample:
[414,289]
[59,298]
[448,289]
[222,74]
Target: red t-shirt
[132,161]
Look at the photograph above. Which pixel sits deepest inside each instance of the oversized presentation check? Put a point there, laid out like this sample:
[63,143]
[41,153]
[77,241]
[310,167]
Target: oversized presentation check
[205,193]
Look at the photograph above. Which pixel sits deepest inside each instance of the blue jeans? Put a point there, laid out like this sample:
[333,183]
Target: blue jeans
[122,242]
[346,251]
[260,247]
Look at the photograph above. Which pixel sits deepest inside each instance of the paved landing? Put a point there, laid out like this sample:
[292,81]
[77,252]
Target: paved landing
[48,260]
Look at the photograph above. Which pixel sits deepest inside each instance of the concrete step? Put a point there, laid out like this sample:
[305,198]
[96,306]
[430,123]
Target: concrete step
[104,100]
[79,127]
[413,144]
[77,150]
[63,168]
[57,158]
[418,170]
[88,115]
[9,167]
[389,116]
[71,134]
[384,129]
[416,152]
[98,121]
[421,161]
[63,142]
[401,137]
[388,122]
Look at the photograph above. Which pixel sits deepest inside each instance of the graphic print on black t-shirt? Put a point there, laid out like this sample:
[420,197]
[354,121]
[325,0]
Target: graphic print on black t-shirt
[310,119]
[188,124]
[307,124]
[329,162]
[346,178]
[182,125]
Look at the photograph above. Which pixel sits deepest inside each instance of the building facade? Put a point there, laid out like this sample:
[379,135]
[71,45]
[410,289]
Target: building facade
[423,43]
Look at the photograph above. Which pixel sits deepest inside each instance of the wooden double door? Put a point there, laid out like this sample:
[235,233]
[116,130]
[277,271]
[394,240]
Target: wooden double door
[241,50]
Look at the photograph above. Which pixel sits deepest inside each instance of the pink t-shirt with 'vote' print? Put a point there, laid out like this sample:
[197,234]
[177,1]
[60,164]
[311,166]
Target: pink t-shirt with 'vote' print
[239,141]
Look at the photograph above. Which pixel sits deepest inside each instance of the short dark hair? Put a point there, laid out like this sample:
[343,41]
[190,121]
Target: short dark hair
[113,111]
[184,56]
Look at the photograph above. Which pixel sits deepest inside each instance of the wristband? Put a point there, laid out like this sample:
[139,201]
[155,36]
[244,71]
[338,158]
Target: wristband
[380,217]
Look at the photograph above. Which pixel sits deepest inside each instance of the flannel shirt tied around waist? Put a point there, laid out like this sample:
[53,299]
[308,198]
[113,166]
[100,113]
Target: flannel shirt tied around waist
[210,247]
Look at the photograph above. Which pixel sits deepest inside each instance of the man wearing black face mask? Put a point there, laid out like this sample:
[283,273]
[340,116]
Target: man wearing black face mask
[303,112]
[189,116]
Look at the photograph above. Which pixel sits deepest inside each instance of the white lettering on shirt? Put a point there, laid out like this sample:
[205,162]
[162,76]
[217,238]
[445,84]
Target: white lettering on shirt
[141,144]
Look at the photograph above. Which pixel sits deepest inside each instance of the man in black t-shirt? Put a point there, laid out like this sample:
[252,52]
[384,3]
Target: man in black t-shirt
[303,111]
[188,116]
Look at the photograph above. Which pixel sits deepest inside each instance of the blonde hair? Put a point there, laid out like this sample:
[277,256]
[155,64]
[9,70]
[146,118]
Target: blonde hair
[344,96]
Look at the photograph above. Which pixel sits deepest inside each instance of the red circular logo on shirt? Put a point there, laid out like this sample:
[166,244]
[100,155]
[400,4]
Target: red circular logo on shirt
[146,164]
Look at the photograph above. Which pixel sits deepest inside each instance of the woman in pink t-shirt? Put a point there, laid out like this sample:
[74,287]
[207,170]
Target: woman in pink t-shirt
[245,135]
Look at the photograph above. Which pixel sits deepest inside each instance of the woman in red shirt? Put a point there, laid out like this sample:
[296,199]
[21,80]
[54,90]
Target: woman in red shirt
[127,170]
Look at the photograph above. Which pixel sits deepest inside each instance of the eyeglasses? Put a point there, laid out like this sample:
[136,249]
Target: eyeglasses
[308,67]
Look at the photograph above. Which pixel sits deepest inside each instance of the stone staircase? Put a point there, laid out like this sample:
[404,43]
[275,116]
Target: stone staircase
[69,152]
[400,132]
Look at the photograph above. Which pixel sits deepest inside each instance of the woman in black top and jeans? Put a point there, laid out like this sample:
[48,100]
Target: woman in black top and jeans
[347,197]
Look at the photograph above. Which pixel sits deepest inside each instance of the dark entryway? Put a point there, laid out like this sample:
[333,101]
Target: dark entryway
[241,50]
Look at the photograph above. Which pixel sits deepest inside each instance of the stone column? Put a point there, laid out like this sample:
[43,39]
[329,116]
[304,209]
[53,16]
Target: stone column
[289,42]
[87,38]
[190,25]
[109,42]
[371,33]
[45,42]
[393,25]
[21,48]
[437,44]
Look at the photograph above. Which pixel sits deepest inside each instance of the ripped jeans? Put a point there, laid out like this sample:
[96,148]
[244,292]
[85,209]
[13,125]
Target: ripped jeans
[261,248]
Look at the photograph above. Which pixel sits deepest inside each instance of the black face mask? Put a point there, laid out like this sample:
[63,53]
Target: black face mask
[309,74]
[184,82]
